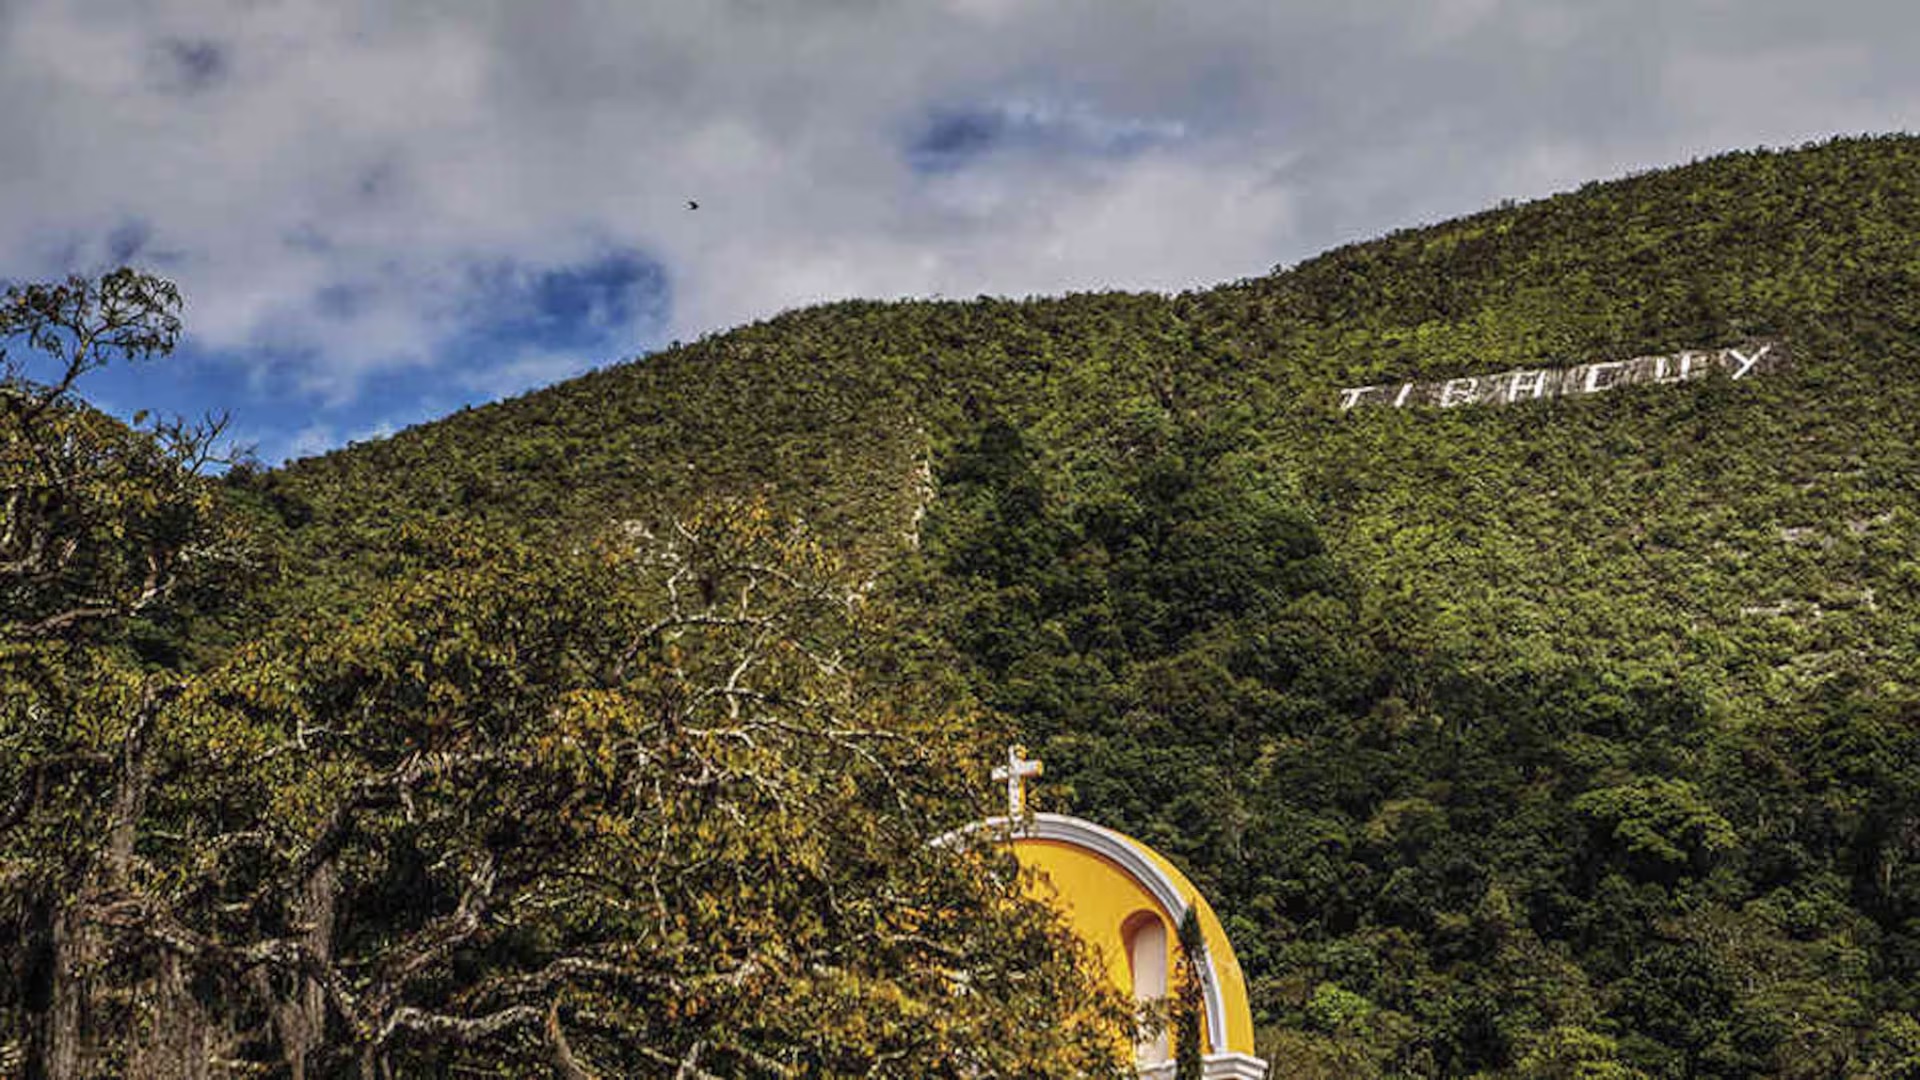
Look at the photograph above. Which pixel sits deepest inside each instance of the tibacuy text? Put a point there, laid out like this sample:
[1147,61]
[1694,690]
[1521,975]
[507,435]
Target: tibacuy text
[1534,384]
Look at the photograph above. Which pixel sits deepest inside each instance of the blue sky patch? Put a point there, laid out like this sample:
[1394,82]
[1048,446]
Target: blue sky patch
[950,138]
[578,306]
[522,327]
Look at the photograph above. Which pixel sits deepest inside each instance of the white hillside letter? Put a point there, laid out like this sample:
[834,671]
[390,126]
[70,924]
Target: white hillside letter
[1746,363]
[1458,392]
[1593,384]
[1530,383]
[1663,371]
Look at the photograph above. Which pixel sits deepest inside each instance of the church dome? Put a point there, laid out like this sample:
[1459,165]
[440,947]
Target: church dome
[1127,901]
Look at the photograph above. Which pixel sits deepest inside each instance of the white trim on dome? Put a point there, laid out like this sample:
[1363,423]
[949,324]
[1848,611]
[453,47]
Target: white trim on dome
[1130,855]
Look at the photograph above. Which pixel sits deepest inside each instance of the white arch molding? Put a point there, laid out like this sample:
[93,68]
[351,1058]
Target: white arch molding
[1127,854]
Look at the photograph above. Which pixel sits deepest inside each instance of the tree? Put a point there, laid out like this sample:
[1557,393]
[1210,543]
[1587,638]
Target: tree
[100,522]
[1188,1002]
[103,529]
[633,809]
[634,805]
[629,809]
[1574,1053]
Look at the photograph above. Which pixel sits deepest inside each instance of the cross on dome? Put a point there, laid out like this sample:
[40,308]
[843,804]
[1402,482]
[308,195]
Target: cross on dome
[1015,773]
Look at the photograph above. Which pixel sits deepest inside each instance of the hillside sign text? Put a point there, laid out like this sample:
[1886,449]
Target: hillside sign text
[1533,384]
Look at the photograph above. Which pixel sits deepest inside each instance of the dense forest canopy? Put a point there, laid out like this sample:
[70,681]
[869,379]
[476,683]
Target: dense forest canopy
[1578,738]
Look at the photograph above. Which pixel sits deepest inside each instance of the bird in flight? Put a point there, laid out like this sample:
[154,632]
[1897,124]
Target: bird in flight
[691,205]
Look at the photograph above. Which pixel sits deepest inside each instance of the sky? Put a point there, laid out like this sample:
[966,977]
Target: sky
[380,211]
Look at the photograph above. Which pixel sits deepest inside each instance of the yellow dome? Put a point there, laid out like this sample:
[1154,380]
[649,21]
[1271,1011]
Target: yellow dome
[1127,900]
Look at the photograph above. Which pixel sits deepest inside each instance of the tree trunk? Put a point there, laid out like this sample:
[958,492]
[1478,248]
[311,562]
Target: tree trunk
[39,962]
[300,1010]
[70,951]
[174,1040]
[61,954]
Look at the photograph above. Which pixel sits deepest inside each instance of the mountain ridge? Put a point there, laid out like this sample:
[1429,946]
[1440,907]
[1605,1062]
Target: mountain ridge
[1546,735]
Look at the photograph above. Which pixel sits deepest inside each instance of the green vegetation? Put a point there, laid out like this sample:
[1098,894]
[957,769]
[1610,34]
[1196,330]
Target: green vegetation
[635,806]
[1579,739]
[1187,1003]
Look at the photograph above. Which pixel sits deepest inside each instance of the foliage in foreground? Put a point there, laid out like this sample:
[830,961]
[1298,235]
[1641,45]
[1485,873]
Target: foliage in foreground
[631,807]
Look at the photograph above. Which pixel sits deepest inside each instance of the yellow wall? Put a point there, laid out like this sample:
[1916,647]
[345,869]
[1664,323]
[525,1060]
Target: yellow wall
[1097,896]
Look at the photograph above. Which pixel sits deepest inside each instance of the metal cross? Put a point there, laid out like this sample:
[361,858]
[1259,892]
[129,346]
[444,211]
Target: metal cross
[1015,773]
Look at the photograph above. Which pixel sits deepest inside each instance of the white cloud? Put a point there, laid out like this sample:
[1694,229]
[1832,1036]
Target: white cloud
[315,439]
[323,176]
[529,369]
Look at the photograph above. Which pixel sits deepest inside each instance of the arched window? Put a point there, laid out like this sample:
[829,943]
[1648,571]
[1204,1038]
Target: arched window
[1145,935]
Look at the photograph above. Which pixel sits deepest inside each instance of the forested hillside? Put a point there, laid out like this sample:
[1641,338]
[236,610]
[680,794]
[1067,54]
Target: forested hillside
[1573,738]
[1577,737]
